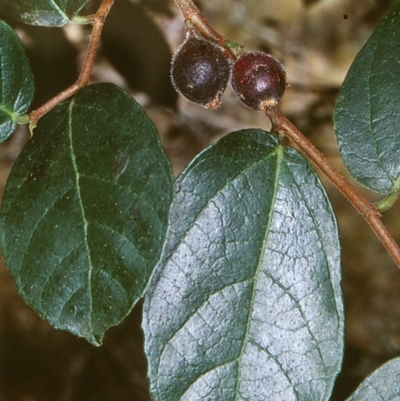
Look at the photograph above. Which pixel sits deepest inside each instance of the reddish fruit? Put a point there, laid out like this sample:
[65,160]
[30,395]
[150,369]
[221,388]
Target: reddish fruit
[200,71]
[259,80]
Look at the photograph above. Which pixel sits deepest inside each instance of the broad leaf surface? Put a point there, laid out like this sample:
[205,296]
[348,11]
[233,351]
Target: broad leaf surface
[367,115]
[246,301]
[85,211]
[382,385]
[16,81]
[42,12]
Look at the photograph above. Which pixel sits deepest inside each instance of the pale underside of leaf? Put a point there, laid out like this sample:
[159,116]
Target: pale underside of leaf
[383,384]
[246,303]
[43,13]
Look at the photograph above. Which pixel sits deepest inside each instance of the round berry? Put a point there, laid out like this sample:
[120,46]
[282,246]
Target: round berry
[258,80]
[200,71]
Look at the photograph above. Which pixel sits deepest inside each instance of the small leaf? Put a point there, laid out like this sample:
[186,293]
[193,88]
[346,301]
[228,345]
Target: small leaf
[383,384]
[367,115]
[42,12]
[85,211]
[16,81]
[246,301]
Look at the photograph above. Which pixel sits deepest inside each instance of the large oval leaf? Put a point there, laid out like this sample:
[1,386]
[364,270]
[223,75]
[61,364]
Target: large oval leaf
[367,115]
[16,81]
[85,211]
[383,384]
[42,12]
[246,302]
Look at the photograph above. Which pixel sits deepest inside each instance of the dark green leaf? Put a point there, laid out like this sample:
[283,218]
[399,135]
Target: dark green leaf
[85,211]
[383,384]
[246,301]
[42,12]
[367,115]
[16,81]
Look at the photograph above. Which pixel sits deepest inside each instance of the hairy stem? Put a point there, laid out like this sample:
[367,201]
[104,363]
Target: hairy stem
[191,13]
[97,21]
[367,209]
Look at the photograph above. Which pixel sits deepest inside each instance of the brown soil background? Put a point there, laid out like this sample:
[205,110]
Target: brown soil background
[317,41]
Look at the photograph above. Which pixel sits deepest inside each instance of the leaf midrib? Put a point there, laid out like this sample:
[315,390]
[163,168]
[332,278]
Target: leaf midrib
[278,153]
[81,207]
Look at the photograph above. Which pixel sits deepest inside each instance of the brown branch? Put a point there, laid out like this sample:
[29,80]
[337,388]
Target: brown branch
[97,21]
[368,210]
[191,13]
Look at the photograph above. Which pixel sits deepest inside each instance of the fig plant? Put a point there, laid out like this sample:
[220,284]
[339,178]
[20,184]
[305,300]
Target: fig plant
[200,71]
[238,258]
[259,80]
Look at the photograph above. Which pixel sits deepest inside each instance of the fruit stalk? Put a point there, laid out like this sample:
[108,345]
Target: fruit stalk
[191,13]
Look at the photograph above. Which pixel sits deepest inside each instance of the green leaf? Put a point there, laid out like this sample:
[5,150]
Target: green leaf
[367,115]
[85,211]
[383,384]
[16,81]
[246,301]
[42,12]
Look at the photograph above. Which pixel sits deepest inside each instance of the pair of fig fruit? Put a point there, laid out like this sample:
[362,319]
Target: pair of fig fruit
[201,71]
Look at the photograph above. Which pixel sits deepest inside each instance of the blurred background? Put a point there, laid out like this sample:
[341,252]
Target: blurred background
[316,40]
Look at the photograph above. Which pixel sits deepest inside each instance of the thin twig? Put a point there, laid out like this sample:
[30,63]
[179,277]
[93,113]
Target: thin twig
[191,13]
[97,21]
[367,209]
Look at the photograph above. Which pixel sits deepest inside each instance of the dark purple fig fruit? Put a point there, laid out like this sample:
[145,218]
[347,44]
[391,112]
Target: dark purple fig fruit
[258,80]
[200,71]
